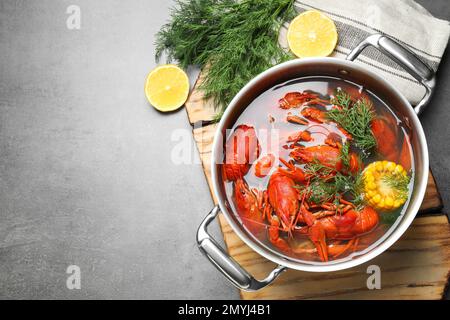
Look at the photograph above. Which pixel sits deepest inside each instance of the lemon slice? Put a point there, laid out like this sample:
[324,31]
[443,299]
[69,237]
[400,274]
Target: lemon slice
[312,34]
[167,87]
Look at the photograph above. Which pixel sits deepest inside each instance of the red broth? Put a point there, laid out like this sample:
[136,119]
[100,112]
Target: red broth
[272,129]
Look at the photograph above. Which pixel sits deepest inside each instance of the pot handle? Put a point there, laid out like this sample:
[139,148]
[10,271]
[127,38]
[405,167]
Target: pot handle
[226,264]
[405,58]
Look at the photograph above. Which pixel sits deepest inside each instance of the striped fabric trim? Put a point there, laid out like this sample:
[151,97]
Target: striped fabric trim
[350,37]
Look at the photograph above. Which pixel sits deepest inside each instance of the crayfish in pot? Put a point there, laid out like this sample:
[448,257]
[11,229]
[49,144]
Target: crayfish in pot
[315,200]
[241,149]
[385,131]
[329,155]
[249,205]
[336,223]
[287,212]
[297,99]
[282,202]
[278,205]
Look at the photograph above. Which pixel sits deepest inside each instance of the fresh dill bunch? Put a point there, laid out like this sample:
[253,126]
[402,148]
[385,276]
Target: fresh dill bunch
[231,40]
[399,183]
[355,118]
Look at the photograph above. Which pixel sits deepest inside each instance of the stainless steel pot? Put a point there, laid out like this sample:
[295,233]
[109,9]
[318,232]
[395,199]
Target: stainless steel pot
[345,69]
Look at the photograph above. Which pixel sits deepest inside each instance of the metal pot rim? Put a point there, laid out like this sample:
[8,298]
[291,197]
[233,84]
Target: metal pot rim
[330,266]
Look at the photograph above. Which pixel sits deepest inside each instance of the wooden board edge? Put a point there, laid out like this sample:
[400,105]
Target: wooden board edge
[440,206]
[446,291]
[440,294]
[207,113]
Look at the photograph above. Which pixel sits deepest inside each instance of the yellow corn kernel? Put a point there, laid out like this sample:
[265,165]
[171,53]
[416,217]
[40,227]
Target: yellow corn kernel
[369,177]
[376,198]
[391,166]
[371,186]
[389,201]
[379,166]
[398,203]
[399,169]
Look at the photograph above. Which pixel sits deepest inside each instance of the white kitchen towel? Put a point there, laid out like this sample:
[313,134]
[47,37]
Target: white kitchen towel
[403,20]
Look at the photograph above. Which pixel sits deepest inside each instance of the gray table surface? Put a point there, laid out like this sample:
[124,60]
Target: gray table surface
[85,172]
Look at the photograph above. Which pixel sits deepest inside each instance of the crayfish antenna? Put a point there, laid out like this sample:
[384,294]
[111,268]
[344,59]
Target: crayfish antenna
[291,227]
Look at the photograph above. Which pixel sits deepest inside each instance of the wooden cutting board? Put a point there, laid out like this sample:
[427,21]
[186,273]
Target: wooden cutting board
[416,267]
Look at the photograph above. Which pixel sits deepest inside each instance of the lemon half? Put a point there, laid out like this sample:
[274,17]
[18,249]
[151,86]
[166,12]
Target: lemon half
[312,34]
[167,87]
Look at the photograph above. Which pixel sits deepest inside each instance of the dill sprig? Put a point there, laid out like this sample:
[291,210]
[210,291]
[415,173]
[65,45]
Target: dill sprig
[354,117]
[342,99]
[345,154]
[335,185]
[232,40]
[400,183]
[318,191]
